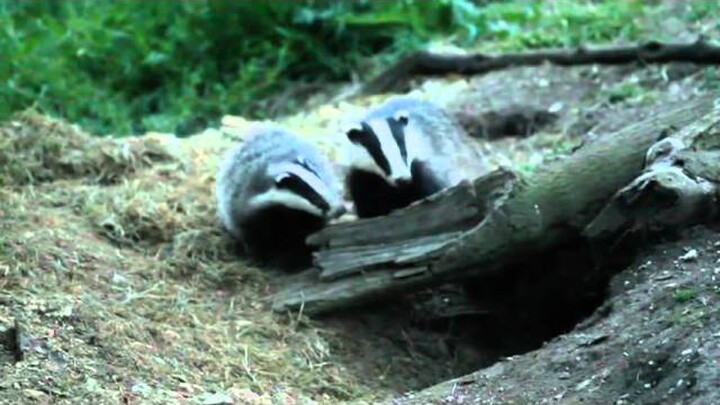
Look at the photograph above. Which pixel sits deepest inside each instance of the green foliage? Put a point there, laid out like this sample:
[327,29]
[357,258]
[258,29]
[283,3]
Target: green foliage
[626,91]
[711,78]
[533,24]
[699,10]
[684,295]
[123,67]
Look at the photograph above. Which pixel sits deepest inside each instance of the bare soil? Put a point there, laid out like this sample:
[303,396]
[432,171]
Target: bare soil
[117,285]
[655,340]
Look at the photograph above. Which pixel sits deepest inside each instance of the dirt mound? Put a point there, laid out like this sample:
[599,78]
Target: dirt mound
[37,148]
[118,285]
[654,341]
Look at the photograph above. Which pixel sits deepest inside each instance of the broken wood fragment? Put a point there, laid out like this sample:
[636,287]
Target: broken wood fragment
[446,211]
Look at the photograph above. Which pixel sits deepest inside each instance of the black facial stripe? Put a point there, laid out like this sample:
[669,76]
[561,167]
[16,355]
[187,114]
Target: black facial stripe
[305,165]
[296,185]
[369,140]
[398,132]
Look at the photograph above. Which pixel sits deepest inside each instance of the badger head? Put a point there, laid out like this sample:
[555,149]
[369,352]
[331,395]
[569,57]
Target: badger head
[382,146]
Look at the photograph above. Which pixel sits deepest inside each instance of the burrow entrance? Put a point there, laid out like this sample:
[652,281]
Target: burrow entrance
[451,330]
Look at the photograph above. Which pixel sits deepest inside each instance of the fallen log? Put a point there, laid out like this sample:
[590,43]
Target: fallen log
[431,64]
[478,227]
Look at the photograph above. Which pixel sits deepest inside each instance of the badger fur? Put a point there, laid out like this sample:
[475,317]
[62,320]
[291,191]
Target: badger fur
[402,151]
[272,191]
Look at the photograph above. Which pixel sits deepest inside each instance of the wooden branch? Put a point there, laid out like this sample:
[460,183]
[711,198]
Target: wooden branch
[430,64]
[678,189]
[511,216]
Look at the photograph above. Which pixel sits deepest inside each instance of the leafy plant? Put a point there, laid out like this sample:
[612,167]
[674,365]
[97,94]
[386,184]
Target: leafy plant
[121,67]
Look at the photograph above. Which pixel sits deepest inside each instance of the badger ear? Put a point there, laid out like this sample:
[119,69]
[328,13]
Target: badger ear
[402,116]
[353,131]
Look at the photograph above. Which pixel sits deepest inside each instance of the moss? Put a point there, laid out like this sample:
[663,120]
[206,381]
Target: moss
[684,295]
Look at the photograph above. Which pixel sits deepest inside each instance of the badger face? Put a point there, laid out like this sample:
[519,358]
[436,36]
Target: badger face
[297,185]
[380,146]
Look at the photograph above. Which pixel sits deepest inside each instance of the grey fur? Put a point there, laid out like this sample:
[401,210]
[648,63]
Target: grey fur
[440,154]
[244,174]
[450,154]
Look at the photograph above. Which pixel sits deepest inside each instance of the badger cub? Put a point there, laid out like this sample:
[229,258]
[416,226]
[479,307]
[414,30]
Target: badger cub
[272,191]
[402,151]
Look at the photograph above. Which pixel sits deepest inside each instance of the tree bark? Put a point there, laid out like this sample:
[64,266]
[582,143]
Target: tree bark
[478,227]
[429,64]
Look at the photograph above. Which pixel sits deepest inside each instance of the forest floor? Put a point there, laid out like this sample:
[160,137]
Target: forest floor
[118,286]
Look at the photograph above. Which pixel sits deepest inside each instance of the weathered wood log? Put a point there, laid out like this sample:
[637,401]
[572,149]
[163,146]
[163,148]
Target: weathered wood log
[678,188]
[477,228]
[430,64]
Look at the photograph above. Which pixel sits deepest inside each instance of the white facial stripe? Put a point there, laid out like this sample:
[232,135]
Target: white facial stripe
[332,197]
[281,176]
[359,157]
[354,155]
[311,179]
[391,150]
[286,198]
[416,144]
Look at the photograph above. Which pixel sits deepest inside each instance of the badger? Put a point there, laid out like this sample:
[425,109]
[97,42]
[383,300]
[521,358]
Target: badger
[402,151]
[272,191]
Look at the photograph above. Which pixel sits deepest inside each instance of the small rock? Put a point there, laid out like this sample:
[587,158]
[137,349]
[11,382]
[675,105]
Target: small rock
[583,385]
[219,398]
[35,394]
[556,107]
[140,388]
[691,255]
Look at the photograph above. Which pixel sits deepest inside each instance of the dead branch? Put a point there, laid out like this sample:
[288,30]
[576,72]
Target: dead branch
[429,64]
[678,188]
[477,228]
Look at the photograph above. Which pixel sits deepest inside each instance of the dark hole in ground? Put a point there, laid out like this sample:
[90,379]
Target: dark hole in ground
[454,330]
[12,342]
[514,120]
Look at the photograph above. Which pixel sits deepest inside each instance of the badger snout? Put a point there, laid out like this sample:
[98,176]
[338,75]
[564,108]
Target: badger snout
[402,181]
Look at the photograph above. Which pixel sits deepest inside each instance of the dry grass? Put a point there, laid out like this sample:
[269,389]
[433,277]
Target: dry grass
[117,279]
[151,315]
[34,148]
[115,273]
